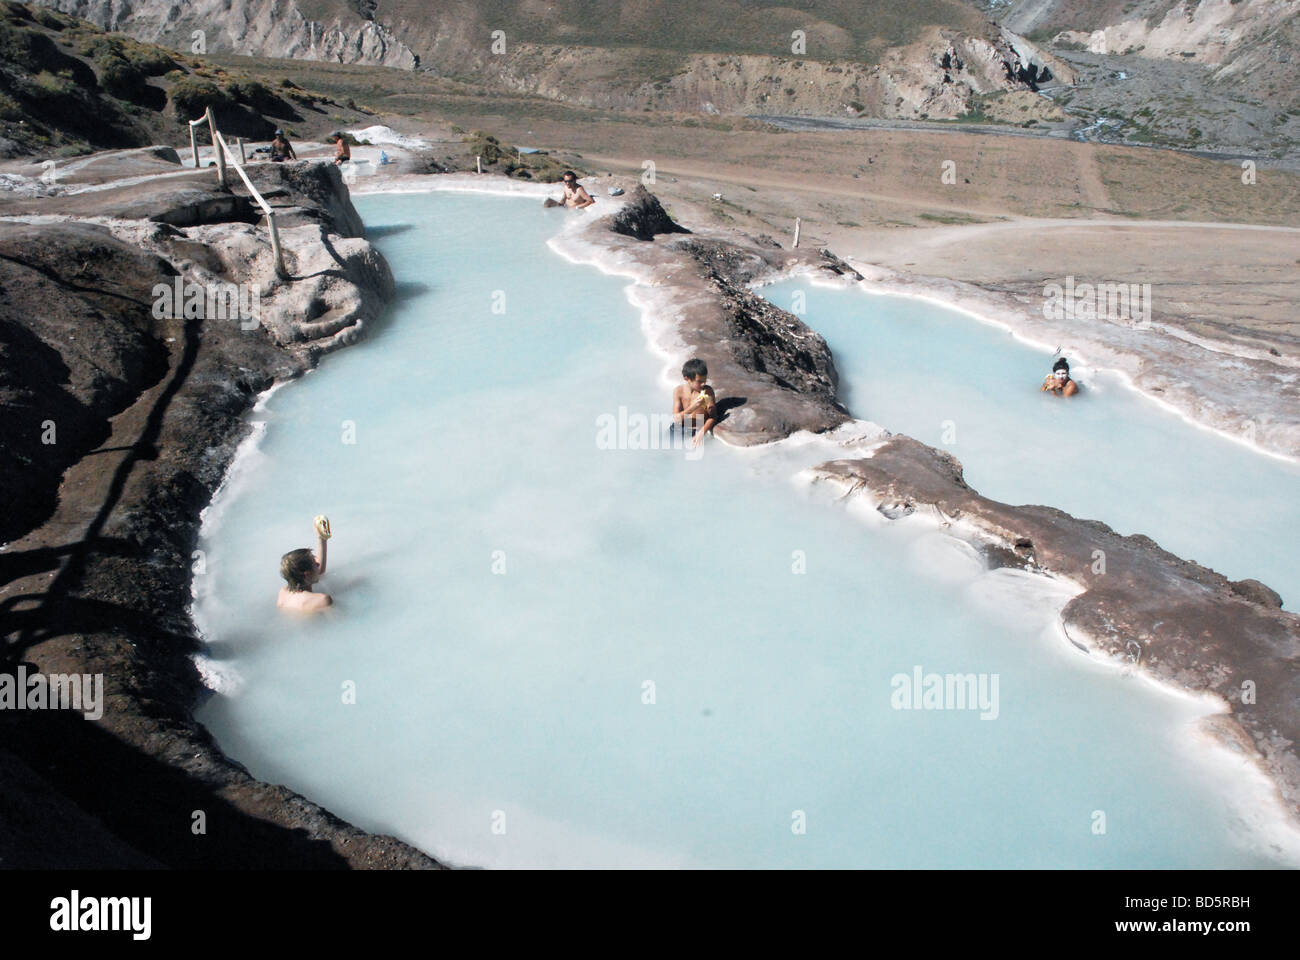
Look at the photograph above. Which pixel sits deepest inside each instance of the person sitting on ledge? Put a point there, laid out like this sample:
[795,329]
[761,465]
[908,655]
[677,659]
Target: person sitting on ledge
[1058,382]
[281,148]
[300,569]
[342,152]
[575,194]
[695,405]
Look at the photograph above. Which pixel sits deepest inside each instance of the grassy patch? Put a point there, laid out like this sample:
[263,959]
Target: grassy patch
[951,218]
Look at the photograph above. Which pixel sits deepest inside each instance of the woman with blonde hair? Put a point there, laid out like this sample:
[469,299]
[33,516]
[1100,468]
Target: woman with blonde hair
[300,569]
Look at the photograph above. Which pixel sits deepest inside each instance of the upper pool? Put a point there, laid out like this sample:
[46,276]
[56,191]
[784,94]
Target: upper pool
[1107,454]
[548,652]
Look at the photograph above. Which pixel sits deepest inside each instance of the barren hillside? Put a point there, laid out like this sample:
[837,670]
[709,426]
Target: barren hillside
[1198,74]
[1216,73]
[919,58]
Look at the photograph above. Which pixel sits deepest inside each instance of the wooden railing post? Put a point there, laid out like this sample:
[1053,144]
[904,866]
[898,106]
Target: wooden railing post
[276,250]
[224,153]
[217,147]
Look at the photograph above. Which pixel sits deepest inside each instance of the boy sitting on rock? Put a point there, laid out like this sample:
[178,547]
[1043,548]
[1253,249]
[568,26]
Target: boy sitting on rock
[694,403]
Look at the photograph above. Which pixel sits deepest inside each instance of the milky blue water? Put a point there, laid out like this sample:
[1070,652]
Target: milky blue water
[1105,454]
[548,653]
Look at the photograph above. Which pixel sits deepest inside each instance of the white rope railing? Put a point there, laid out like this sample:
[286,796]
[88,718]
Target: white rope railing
[226,157]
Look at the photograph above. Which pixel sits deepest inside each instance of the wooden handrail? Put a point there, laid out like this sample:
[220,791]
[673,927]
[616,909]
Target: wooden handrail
[226,157]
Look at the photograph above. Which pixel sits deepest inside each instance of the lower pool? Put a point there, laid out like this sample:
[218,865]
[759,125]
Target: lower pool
[1106,454]
[555,646]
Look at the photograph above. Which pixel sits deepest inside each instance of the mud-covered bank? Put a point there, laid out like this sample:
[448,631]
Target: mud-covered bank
[121,419]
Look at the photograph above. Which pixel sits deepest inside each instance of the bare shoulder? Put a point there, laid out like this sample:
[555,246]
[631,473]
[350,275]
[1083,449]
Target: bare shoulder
[303,602]
[318,601]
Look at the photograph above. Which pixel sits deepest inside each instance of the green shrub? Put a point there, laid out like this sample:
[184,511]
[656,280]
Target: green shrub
[117,75]
[252,92]
[191,96]
[52,86]
[489,148]
[144,59]
[96,47]
[50,20]
[9,108]
[150,60]
[22,48]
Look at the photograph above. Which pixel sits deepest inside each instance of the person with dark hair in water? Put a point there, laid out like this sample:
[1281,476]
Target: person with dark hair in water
[575,194]
[281,148]
[300,569]
[695,405]
[1058,382]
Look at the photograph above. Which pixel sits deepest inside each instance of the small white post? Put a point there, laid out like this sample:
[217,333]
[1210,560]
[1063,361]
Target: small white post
[478,162]
[796,231]
[216,148]
[194,145]
[242,157]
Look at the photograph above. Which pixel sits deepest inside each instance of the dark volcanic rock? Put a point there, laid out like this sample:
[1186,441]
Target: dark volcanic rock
[319,189]
[1257,592]
[767,340]
[782,368]
[726,261]
[774,375]
[644,217]
[42,830]
[78,343]
[833,264]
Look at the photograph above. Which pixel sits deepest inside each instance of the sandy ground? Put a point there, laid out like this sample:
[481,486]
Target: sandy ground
[1020,213]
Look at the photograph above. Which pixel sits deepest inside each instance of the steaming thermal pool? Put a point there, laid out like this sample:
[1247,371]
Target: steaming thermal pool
[567,655]
[1106,454]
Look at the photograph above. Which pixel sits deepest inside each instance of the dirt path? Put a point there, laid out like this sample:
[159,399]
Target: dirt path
[746,176]
[1094,190]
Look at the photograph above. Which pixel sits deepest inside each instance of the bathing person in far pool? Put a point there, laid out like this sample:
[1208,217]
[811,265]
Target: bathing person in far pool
[575,194]
[300,569]
[695,405]
[281,148]
[1058,382]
